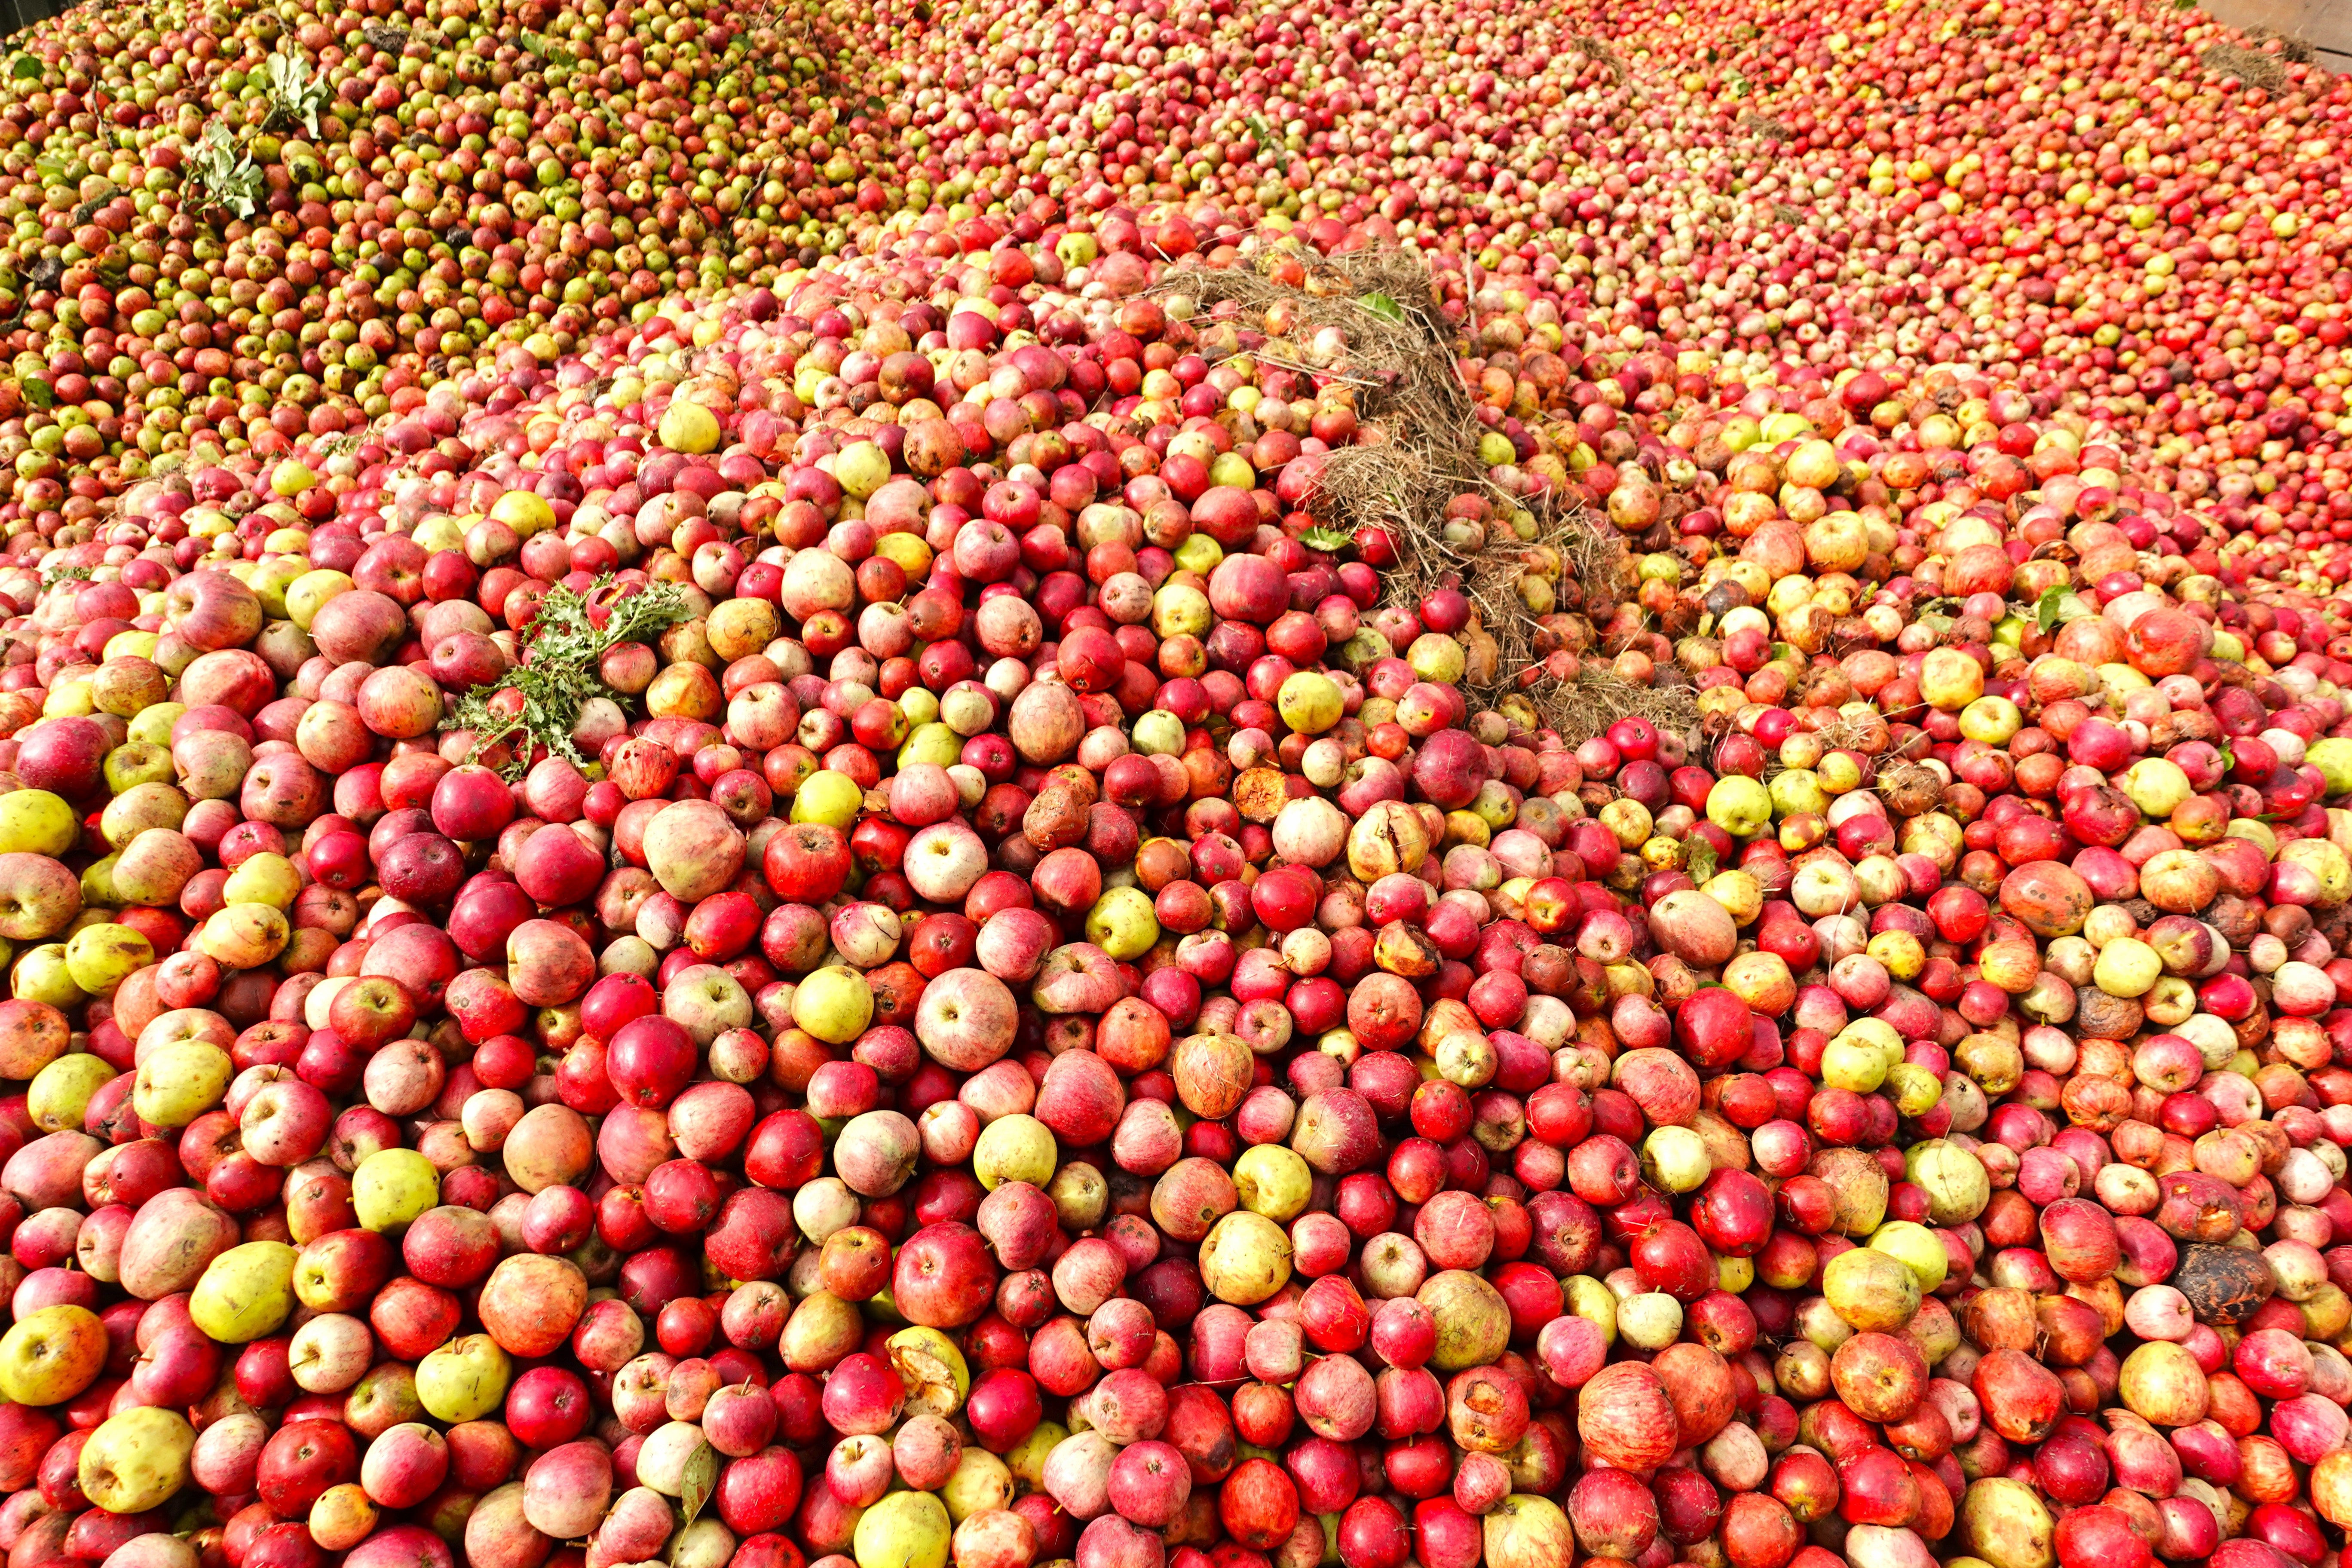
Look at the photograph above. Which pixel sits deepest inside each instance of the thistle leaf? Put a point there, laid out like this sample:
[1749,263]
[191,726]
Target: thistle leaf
[558,675]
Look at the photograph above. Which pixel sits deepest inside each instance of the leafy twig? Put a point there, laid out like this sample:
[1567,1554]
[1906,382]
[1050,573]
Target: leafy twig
[548,50]
[296,95]
[1267,142]
[558,675]
[230,177]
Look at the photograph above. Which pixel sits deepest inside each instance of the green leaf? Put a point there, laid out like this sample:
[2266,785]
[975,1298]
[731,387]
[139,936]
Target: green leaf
[295,93]
[557,674]
[700,1480]
[227,175]
[25,67]
[40,392]
[2045,613]
[1699,858]
[1383,307]
[1325,539]
[1268,142]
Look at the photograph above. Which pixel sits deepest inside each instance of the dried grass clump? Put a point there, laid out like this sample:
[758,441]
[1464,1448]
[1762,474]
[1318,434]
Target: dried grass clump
[2251,67]
[2290,48]
[1417,443]
[1597,556]
[1417,451]
[1594,48]
[1597,698]
[1417,447]
[1386,343]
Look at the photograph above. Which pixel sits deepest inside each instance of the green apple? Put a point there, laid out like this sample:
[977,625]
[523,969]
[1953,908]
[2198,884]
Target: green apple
[982,1481]
[830,797]
[35,822]
[905,1529]
[1740,806]
[71,698]
[243,936]
[1588,1298]
[40,975]
[1123,922]
[179,1082]
[1159,731]
[439,533]
[263,879]
[1873,1290]
[524,513]
[272,577]
[101,957]
[688,427]
[245,1292]
[51,1354]
[392,1186]
[1027,1459]
[1274,1180]
[136,1460]
[133,644]
[98,889]
[1014,1147]
[929,741]
[139,806]
[2332,757]
[1434,657]
[1244,1259]
[1310,701]
[1915,1090]
[834,1003]
[136,762]
[933,1369]
[1675,1159]
[1851,1064]
[1916,1248]
[60,1091]
[464,1380]
[152,727]
[1200,553]
[309,592]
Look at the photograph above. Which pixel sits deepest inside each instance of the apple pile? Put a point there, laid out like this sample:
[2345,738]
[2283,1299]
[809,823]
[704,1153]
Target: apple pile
[852,917]
[1040,1024]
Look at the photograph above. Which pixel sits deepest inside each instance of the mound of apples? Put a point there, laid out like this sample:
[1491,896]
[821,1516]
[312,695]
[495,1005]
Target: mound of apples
[839,927]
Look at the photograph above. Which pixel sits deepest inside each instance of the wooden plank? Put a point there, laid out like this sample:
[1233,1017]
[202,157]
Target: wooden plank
[2325,25]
